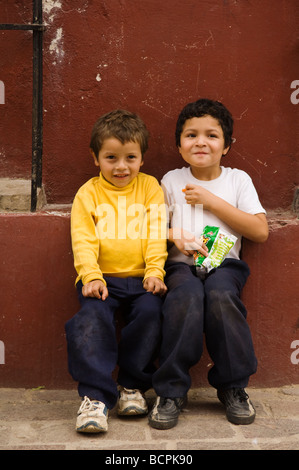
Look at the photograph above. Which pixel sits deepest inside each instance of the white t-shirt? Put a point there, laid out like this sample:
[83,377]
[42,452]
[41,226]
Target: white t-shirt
[233,185]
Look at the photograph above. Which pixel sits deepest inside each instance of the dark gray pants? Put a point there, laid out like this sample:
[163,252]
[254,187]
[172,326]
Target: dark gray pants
[211,307]
[93,350]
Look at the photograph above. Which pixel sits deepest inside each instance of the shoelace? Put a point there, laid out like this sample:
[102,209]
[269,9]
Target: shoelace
[130,390]
[89,405]
[169,401]
[240,393]
[133,393]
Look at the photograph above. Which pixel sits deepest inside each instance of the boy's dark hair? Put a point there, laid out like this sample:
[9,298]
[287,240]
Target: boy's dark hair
[121,124]
[204,107]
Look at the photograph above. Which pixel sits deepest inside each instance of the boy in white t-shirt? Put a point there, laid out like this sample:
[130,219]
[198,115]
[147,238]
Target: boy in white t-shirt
[206,193]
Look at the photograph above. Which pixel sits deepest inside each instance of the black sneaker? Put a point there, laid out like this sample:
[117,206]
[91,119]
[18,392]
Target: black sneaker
[165,413]
[239,409]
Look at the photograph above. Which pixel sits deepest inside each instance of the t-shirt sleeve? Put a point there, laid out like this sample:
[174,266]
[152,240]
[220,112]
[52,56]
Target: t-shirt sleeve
[248,199]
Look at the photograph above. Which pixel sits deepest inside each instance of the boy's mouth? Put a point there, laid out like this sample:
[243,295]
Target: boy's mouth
[121,175]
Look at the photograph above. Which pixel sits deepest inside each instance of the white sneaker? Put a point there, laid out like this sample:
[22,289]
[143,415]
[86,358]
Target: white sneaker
[92,416]
[131,402]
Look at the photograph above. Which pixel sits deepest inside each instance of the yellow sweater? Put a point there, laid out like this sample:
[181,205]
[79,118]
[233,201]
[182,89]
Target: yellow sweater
[119,231]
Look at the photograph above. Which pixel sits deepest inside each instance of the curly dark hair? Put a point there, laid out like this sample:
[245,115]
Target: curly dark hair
[206,107]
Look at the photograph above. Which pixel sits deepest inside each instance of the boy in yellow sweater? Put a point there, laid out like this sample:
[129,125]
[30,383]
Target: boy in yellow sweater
[118,228]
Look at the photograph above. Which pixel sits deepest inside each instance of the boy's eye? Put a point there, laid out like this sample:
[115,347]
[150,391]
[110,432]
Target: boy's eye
[191,134]
[131,157]
[110,157]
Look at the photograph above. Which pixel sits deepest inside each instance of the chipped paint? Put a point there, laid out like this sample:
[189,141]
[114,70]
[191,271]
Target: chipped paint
[48,5]
[241,115]
[56,46]
[261,163]
[50,8]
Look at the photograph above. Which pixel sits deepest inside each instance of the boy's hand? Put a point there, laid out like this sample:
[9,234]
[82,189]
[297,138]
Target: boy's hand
[154,285]
[187,243]
[251,226]
[197,195]
[96,289]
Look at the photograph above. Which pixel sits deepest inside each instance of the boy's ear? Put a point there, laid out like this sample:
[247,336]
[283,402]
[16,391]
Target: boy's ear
[96,161]
[225,151]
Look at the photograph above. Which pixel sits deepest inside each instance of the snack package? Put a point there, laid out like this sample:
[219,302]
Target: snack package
[208,237]
[222,243]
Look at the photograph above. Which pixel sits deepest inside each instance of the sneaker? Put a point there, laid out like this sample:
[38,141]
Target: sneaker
[92,416]
[165,413]
[131,402]
[239,409]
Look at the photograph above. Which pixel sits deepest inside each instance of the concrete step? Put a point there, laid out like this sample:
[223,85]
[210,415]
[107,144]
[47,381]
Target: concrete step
[15,195]
[41,419]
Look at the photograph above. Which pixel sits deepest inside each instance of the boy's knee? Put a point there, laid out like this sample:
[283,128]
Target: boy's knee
[81,322]
[224,305]
[186,294]
[181,307]
[89,317]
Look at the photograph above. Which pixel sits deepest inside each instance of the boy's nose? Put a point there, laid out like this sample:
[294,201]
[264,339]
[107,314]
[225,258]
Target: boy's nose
[200,140]
[121,165]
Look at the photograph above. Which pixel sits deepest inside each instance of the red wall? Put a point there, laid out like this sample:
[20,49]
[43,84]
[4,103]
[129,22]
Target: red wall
[38,297]
[151,57]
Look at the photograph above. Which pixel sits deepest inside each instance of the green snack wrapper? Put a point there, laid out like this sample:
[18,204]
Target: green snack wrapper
[208,237]
[221,246]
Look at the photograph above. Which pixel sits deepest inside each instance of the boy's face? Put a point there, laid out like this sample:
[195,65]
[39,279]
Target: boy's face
[119,163]
[202,145]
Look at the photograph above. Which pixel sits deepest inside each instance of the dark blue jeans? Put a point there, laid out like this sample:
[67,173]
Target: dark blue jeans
[93,349]
[211,307]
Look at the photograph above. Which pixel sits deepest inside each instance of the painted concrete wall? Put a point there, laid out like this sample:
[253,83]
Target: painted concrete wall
[151,57]
[38,297]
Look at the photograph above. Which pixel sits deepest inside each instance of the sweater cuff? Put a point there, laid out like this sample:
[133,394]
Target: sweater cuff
[154,272]
[92,277]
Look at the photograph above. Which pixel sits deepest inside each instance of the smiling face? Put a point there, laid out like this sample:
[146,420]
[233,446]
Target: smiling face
[202,146]
[119,163]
